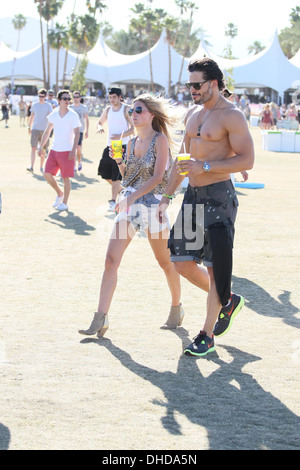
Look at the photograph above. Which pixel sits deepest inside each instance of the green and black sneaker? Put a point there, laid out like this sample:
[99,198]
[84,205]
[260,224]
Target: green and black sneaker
[201,345]
[228,314]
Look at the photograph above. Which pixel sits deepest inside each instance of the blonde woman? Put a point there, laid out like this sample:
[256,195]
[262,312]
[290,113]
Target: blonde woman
[145,174]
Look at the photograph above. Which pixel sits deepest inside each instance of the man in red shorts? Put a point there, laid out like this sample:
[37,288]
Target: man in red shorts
[66,125]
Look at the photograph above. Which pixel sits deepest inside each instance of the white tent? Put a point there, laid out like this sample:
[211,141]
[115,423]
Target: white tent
[28,65]
[108,66]
[270,68]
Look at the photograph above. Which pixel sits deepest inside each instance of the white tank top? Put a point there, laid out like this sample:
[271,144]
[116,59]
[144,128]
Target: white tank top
[117,123]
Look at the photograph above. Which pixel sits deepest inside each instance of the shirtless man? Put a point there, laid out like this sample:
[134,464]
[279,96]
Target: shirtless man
[218,139]
[120,126]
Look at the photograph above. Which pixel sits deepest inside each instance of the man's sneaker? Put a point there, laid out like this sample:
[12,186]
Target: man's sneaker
[201,345]
[58,201]
[79,166]
[62,207]
[30,169]
[111,205]
[227,315]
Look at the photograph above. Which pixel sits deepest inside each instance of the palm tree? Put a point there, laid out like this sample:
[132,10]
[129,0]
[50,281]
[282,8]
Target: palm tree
[57,38]
[185,6]
[49,10]
[256,47]
[40,4]
[144,23]
[19,22]
[171,24]
[97,7]
[231,31]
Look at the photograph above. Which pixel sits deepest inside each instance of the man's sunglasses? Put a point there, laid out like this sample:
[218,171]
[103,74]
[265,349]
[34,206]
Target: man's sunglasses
[76,96]
[196,85]
[42,96]
[137,110]
[66,99]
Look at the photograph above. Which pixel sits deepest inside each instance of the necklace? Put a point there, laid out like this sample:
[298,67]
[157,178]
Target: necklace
[206,116]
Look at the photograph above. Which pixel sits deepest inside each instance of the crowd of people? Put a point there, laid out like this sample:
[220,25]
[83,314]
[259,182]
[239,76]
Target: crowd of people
[145,174]
[272,115]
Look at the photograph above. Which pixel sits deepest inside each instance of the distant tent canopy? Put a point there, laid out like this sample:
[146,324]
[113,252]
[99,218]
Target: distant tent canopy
[269,69]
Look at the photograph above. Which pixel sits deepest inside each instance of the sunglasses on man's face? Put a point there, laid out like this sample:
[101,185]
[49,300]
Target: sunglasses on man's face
[42,96]
[76,96]
[137,110]
[196,85]
[65,98]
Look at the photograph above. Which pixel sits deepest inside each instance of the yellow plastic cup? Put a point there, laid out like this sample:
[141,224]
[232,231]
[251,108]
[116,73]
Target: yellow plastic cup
[117,148]
[183,156]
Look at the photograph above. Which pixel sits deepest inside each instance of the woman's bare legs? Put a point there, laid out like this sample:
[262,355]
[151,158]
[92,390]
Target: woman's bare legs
[159,245]
[120,239]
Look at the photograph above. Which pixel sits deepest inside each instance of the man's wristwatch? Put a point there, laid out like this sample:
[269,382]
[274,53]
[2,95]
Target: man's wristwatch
[206,166]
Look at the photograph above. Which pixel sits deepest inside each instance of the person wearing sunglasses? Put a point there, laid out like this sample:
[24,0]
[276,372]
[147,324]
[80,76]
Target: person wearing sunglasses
[145,176]
[82,111]
[36,127]
[120,126]
[66,125]
[218,138]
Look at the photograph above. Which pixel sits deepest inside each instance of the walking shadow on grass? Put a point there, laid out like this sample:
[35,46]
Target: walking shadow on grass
[69,221]
[4,437]
[261,302]
[235,410]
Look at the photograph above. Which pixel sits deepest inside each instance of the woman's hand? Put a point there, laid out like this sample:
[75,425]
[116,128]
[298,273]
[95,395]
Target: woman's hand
[112,153]
[124,204]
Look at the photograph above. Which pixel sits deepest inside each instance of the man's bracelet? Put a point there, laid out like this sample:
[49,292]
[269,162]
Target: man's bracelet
[121,163]
[168,196]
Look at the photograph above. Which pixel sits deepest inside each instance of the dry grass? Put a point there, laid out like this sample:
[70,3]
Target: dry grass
[134,389]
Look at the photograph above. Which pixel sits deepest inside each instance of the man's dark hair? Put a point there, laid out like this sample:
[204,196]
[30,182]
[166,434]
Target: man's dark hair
[210,70]
[115,91]
[42,91]
[61,92]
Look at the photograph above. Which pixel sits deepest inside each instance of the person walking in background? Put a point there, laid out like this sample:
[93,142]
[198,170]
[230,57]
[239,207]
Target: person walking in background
[218,138]
[82,112]
[22,111]
[145,176]
[65,124]
[267,117]
[36,127]
[119,125]
[5,111]
[50,99]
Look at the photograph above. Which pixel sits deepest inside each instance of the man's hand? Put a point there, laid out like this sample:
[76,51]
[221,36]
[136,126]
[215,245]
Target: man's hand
[72,155]
[100,129]
[195,167]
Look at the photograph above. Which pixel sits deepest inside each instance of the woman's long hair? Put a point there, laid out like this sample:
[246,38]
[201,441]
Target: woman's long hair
[167,117]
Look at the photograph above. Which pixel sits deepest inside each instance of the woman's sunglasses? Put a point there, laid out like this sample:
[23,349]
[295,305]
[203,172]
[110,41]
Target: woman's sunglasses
[196,85]
[137,110]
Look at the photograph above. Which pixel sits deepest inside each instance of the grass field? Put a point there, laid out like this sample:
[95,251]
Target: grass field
[134,389]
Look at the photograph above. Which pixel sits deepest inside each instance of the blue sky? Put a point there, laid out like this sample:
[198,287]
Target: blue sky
[257,20]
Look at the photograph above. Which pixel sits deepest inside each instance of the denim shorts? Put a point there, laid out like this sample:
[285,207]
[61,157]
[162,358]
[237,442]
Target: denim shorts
[142,214]
[203,208]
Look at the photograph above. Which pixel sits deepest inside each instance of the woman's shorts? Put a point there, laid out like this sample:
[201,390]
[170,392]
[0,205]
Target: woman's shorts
[60,161]
[206,211]
[142,215]
[108,168]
